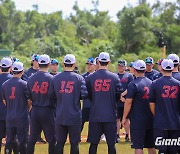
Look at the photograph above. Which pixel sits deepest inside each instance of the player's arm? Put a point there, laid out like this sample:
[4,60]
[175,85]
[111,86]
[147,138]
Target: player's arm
[84,91]
[4,102]
[128,102]
[119,89]
[3,94]
[127,108]
[122,98]
[152,107]
[88,85]
[51,94]
[28,92]
[29,104]
[152,97]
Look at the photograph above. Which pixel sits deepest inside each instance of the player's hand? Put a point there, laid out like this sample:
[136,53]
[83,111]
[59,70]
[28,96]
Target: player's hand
[122,99]
[123,121]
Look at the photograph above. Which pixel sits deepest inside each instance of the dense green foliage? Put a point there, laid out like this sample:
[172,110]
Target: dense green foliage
[139,32]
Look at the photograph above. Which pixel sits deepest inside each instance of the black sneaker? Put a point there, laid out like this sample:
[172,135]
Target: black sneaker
[117,138]
[127,138]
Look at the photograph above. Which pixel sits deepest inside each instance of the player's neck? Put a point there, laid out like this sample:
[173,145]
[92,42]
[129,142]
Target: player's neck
[167,73]
[92,71]
[44,69]
[68,69]
[17,76]
[103,67]
[35,68]
[175,69]
[6,72]
[121,72]
[139,75]
[54,72]
[149,70]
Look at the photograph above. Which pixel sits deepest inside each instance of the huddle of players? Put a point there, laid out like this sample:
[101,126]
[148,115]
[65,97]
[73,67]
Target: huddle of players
[103,90]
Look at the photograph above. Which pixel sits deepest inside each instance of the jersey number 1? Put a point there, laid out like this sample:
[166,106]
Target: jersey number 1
[13,89]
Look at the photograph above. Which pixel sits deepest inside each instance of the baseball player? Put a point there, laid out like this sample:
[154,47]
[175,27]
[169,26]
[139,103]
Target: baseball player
[104,90]
[175,59]
[54,67]
[5,68]
[68,87]
[150,72]
[125,79]
[165,106]
[42,115]
[86,103]
[158,75]
[14,97]
[33,69]
[137,107]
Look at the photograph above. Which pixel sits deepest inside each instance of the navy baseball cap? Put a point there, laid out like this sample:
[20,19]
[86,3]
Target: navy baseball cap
[90,61]
[131,64]
[149,60]
[122,63]
[54,61]
[35,57]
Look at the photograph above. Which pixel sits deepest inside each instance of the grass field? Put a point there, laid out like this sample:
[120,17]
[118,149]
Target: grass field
[121,148]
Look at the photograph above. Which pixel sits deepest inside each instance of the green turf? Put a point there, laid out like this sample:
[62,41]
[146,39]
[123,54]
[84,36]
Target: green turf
[121,148]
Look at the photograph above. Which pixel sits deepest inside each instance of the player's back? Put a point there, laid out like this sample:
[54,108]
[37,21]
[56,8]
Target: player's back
[176,75]
[68,87]
[28,73]
[140,114]
[14,92]
[165,92]
[104,87]
[3,77]
[38,85]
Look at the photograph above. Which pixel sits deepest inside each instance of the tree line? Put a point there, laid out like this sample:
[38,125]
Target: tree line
[139,32]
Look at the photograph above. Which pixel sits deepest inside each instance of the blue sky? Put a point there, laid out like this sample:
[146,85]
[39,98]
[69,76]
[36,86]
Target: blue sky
[48,6]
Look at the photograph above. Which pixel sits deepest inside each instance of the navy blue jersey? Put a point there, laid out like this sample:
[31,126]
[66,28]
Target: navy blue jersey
[28,73]
[14,93]
[86,103]
[37,89]
[125,79]
[157,76]
[176,75]
[150,75]
[68,88]
[165,93]
[3,77]
[140,114]
[54,74]
[104,90]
